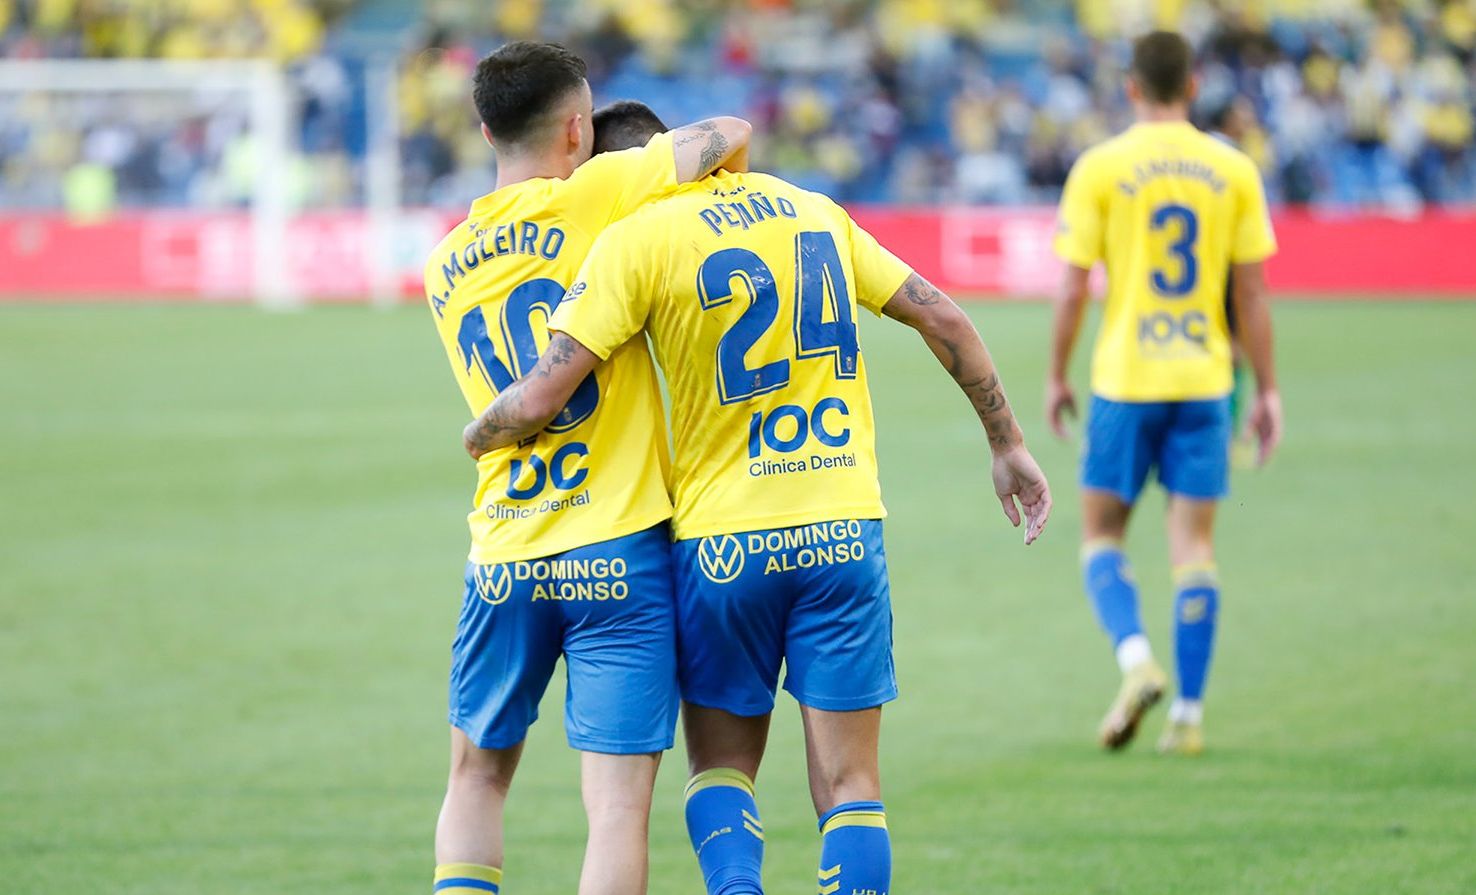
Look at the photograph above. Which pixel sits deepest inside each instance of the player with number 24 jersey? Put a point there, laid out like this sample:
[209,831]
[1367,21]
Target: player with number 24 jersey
[752,314]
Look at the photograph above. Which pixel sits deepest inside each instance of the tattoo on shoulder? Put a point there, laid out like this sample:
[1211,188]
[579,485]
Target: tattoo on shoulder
[693,132]
[713,153]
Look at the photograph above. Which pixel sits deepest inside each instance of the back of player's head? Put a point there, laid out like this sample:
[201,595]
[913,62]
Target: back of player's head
[625,124]
[519,85]
[1162,65]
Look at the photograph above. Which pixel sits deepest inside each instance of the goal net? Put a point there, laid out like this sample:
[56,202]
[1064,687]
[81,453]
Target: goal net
[90,136]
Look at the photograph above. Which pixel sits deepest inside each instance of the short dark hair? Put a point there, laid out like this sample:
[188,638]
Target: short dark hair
[519,83]
[625,124]
[1161,64]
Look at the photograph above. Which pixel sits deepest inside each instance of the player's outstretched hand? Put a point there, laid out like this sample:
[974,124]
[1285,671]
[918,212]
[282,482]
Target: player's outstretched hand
[1265,422]
[1016,475]
[1060,403]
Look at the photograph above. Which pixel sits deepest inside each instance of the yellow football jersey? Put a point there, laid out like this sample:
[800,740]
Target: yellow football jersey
[748,286]
[598,470]
[1169,209]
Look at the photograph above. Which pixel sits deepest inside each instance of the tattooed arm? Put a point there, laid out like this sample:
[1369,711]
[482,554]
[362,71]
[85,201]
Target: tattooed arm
[951,335]
[532,402]
[710,144]
[953,339]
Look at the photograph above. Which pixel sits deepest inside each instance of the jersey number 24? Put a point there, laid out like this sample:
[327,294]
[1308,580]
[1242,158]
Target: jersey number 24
[820,285]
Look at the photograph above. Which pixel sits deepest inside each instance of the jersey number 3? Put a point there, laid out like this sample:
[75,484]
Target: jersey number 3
[820,287]
[1186,232]
[520,347]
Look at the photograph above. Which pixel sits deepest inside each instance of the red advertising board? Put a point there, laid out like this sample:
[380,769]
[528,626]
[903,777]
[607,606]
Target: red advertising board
[968,251]
[1008,252]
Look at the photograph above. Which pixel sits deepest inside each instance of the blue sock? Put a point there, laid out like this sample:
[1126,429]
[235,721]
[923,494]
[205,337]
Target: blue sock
[723,821]
[1112,589]
[856,850]
[1196,603]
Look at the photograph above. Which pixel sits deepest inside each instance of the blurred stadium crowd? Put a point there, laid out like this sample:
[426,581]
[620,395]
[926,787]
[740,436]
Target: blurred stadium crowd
[914,101]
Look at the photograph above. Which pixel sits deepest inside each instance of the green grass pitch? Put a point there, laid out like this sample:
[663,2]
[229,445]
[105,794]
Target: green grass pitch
[230,557]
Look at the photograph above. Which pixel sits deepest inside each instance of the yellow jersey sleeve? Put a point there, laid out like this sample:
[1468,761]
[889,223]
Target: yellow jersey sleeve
[618,183]
[1081,223]
[611,297]
[878,273]
[1254,240]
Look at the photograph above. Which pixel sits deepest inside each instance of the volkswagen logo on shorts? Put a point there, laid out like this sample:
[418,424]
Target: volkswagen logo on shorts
[494,583]
[721,558]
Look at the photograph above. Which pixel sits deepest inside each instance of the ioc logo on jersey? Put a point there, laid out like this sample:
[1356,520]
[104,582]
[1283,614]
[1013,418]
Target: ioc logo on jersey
[721,558]
[493,583]
[1161,327]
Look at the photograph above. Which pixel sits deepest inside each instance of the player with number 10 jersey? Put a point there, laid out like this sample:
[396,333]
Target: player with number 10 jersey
[570,553]
[492,284]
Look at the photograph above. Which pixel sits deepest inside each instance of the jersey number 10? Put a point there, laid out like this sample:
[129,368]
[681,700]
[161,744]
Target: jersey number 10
[820,285]
[520,347]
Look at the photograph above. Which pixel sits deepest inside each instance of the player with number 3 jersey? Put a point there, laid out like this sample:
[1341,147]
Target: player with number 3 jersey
[1171,212]
[750,289]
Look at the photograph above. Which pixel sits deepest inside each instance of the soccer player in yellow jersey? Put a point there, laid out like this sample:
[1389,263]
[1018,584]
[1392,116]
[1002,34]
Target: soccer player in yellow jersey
[570,550]
[1171,212]
[750,289]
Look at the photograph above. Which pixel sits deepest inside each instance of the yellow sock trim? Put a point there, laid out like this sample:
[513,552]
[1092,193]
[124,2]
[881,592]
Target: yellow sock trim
[1200,573]
[1091,548]
[482,873]
[719,777]
[855,819]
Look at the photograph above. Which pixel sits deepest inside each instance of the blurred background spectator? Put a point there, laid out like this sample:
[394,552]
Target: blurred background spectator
[1341,102]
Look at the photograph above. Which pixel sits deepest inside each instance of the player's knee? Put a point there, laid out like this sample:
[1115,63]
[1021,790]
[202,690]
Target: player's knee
[1191,548]
[716,739]
[840,784]
[1104,526]
[480,769]
[619,810]
[744,761]
[618,785]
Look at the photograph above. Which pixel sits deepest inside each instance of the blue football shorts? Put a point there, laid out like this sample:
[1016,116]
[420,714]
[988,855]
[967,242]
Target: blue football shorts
[607,609]
[814,597]
[1188,442]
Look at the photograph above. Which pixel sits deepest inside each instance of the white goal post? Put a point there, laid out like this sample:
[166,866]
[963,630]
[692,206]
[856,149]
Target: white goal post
[268,105]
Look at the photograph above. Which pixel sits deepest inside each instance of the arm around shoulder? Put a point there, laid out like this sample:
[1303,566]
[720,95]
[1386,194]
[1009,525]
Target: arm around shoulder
[533,401]
[705,146]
